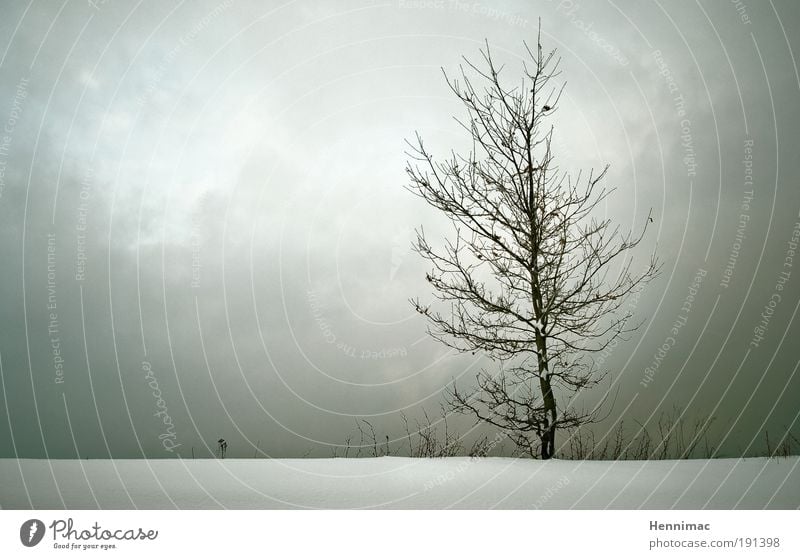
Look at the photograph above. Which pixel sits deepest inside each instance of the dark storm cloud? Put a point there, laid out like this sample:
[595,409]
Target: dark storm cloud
[219,191]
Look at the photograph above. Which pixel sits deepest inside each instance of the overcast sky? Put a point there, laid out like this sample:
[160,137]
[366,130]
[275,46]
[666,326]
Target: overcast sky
[202,213]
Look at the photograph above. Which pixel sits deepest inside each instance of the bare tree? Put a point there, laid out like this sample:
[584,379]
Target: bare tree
[526,278]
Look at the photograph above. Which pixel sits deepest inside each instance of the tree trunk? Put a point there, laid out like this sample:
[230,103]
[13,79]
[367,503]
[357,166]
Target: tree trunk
[548,436]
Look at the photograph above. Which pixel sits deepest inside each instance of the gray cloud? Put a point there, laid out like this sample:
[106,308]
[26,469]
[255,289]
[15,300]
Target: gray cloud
[232,173]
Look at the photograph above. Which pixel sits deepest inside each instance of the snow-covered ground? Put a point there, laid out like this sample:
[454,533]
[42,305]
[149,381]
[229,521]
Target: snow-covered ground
[752,483]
